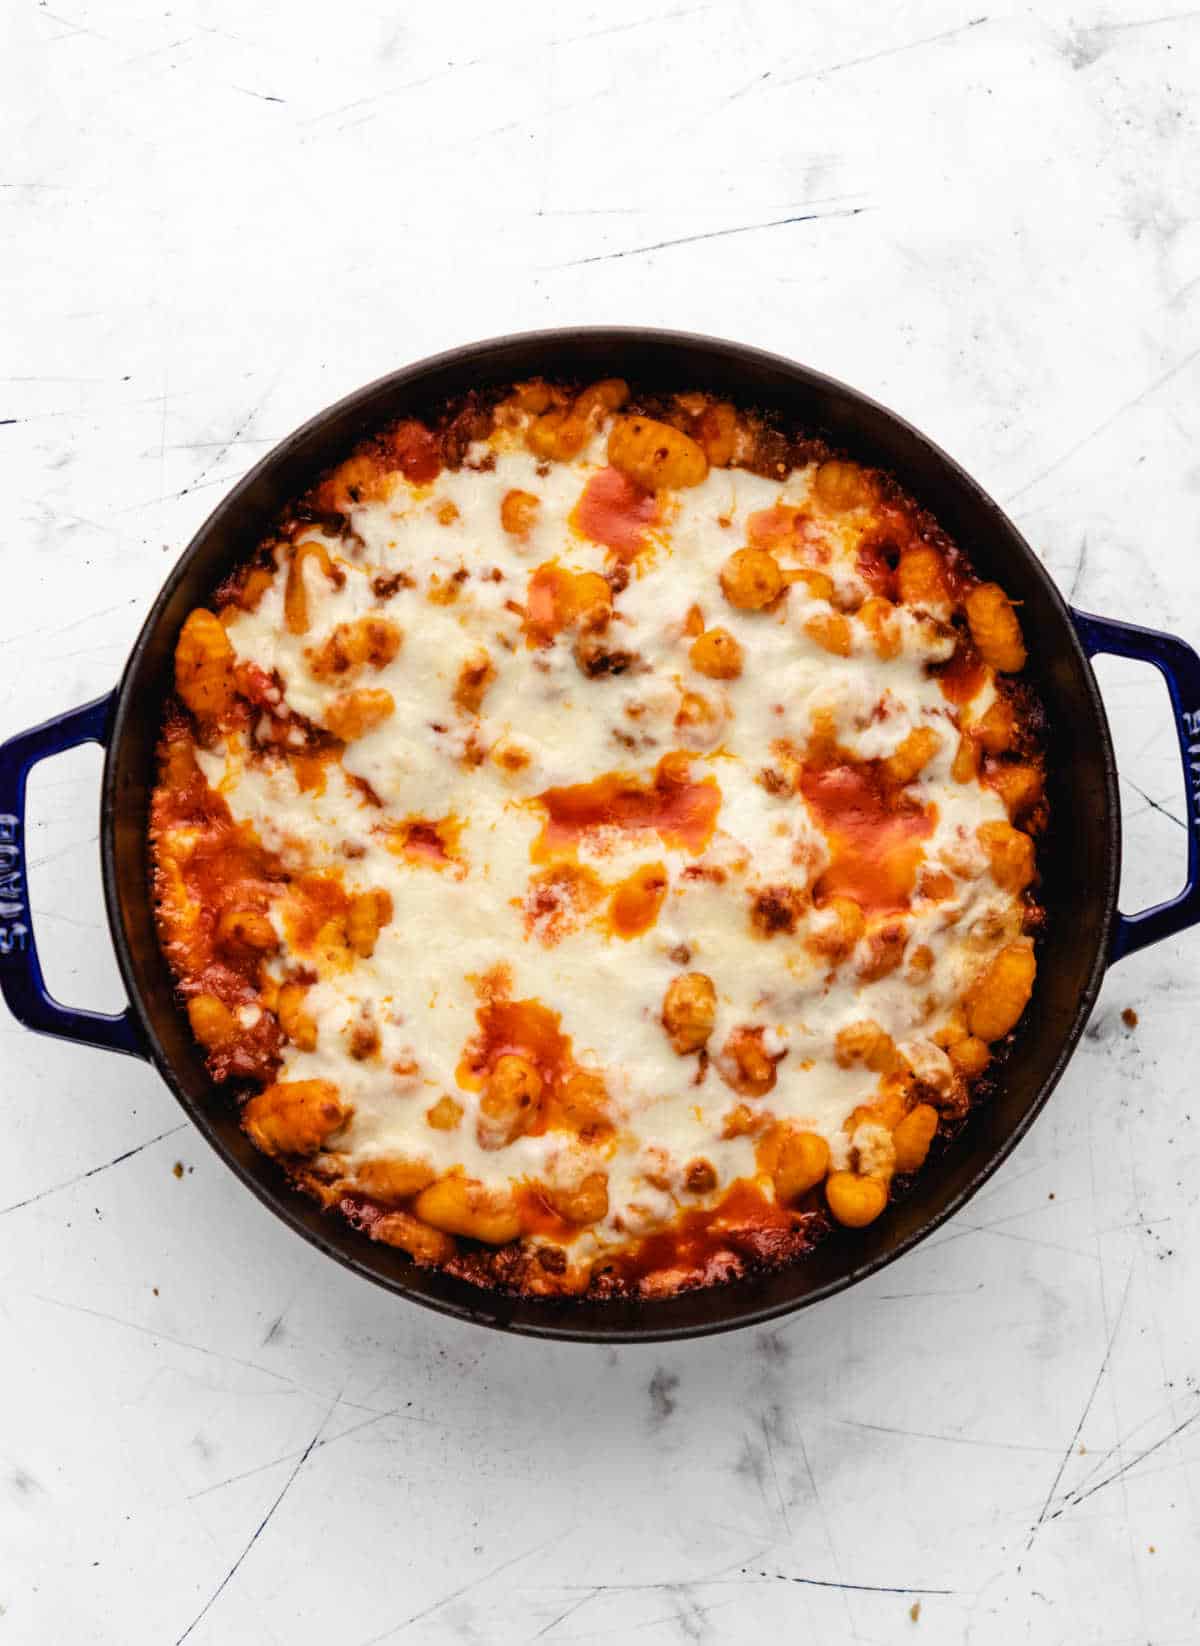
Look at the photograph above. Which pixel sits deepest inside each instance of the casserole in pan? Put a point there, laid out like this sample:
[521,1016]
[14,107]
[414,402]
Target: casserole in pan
[1079,861]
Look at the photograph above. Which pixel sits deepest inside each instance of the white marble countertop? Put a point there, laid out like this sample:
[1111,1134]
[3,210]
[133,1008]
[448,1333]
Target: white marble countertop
[219,218]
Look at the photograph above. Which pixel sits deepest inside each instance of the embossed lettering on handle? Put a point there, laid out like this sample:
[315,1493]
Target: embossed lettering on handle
[14,929]
[1191,724]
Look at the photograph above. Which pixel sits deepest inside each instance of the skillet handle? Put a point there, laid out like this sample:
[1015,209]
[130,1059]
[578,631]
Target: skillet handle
[21,981]
[1180,668]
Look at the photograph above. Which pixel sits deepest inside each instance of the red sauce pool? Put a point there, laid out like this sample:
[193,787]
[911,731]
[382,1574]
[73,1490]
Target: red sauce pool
[962,677]
[877,560]
[429,841]
[681,812]
[743,1222]
[315,900]
[545,603]
[614,511]
[773,528]
[522,1028]
[556,597]
[227,867]
[417,452]
[539,1217]
[637,900]
[874,837]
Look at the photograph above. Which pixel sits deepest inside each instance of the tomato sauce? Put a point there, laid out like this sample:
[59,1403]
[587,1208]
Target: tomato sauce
[637,900]
[430,842]
[310,769]
[559,897]
[258,687]
[226,866]
[876,561]
[519,1028]
[874,836]
[556,597]
[962,677]
[616,512]
[681,812]
[416,451]
[699,1244]
[545,604]
[314,900]
[775,528]
[538,1216]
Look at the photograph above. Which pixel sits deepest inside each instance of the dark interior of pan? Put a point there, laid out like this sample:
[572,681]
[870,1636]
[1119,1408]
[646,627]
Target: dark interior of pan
[1080,862]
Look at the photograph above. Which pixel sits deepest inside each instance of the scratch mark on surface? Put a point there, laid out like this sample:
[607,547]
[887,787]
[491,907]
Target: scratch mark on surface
[828,1530]
[207,445]
[717,1579]
[392,91]
[1073,1499]
[1080,568]
[765,1425]
[166,1337]
[963,1229]
[1101,428]
[1146,22]
[1153,803]
[159,51]
[330,1440]
[63,851]
[625,28]
[736,96]
[591,211]
[950,1440]
[1005,1180]
[262,1526]
[465,1588]
[858,1588]
[264,96]
[712,234]
[174,497]
[233,440]
[66,628]
[93,1171]
[75,27]
[877,56]
[1188,286]
[1083,1416]
[162,431]
[905,1297]
[567,1612]
[1100,1460]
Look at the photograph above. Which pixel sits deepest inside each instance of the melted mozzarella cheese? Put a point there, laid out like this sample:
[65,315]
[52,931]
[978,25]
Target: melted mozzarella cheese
[454,923]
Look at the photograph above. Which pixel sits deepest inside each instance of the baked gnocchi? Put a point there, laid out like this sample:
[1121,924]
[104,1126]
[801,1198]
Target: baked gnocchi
[596,838]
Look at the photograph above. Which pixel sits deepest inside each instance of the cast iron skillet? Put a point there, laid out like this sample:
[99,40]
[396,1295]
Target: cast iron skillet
[1081,860]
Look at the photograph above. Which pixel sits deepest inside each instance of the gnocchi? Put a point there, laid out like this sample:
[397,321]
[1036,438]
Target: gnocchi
[655,455]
